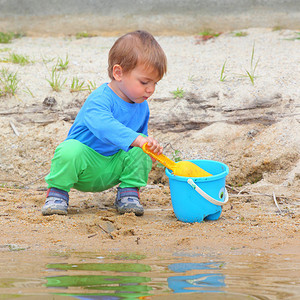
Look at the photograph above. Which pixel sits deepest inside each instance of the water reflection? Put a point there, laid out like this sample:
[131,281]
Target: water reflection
[203,282]
[87,276]
[116,267]
[124,280]
[102,287]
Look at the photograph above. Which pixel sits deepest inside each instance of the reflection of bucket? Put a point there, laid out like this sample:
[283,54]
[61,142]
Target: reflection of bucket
[196,199]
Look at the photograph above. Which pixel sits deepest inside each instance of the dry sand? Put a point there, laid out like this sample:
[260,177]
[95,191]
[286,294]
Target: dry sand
[254,129]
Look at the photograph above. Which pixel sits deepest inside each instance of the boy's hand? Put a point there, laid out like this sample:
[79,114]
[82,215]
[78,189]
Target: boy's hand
[153,145]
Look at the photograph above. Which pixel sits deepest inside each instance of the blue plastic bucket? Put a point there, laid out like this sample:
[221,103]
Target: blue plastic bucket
[201,198]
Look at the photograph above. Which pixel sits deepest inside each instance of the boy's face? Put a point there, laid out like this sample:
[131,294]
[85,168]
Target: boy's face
[135,86]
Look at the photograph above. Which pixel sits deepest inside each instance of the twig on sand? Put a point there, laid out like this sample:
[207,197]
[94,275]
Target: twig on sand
[242,190]
[110,235]
[14,128]
[274,198]
[232,188]
[34,181]
[92,235]
[253,194]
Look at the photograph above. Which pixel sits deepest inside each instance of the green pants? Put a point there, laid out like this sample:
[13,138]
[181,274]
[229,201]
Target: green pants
[78,166]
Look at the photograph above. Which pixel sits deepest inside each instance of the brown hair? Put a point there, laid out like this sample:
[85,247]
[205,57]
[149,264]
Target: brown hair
[137,47]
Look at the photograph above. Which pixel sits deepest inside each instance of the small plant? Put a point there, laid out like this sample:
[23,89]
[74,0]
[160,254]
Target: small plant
[179,93]
[84,34]
[28,91]
[277,28]
[6,38]
[297,37]
[251,73]
[209,33]
[206,35]
[222,76]
[55,80]
[240,34]
[8,82]
[176,155]
[91,86]
[62,65]
[77,86]
[17,59]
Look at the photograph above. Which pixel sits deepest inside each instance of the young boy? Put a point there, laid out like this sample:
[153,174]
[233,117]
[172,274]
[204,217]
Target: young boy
[103,146]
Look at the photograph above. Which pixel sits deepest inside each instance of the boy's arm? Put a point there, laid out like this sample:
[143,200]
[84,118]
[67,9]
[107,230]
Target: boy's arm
[104,125]
[100,121]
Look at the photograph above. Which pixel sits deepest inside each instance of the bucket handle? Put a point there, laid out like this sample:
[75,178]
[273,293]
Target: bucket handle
[206,196]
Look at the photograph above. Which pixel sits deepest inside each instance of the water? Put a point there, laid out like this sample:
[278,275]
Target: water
[112,276]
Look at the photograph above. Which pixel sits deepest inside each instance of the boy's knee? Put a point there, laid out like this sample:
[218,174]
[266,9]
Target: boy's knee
[137,153]
[68,150]
[138,157]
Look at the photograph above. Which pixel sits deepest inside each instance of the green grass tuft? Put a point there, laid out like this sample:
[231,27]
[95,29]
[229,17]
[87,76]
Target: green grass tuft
[28,91]
[7,37]
[222,76]
[209,32]
[17,59]
[84,34]
[8,82]
[91,86]
[77,86]
[62,65]
[56,82]
[253,66]
[240,34]
[297,37]
[277,28]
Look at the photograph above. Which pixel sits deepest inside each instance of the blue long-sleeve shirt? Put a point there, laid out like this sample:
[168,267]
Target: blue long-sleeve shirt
[107,123]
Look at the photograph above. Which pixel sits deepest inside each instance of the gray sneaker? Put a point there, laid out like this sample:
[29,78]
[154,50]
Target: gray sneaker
[128,201]
[55,205]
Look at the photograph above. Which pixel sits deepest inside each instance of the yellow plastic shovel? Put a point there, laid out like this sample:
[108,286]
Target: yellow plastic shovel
[181,168]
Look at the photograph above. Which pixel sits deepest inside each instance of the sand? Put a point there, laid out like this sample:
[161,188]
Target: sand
[254,129]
